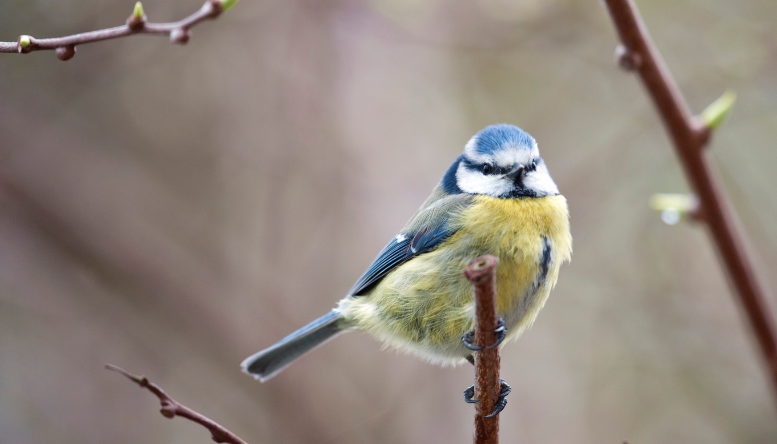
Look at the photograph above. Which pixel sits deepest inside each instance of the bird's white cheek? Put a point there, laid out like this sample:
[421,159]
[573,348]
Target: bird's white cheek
[540,181]
[476,183]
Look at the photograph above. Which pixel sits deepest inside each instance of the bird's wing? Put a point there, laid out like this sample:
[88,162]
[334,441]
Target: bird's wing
[427,230]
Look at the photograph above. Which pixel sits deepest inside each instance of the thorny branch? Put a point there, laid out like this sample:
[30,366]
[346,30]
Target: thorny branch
[482,274]
[690,135]
[171,408]
[65,47]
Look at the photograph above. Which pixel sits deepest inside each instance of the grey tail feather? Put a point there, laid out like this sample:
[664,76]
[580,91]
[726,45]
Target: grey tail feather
[269,362]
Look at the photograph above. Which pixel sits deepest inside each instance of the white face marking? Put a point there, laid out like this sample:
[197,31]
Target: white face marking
[475,182]
[540,181]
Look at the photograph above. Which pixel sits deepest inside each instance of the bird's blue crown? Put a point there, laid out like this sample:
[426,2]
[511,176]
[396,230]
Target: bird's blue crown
[494,137]
[489,155]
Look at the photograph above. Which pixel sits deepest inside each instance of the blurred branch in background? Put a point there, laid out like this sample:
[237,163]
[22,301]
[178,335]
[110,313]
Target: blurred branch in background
[65,47]
[481,272]
[489,396]
[172,408]
[690,135]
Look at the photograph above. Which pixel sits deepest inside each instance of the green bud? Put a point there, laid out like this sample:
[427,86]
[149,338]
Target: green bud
[25,41]
[137,13]
[716,112]
[673,207]
[227,4]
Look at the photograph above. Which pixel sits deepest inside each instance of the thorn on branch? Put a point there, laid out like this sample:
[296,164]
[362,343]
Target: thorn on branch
[627,59]
[700,132]
[214,8]
[180,36]
[66,52]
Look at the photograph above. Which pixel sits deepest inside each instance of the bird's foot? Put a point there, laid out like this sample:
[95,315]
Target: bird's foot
[501,333]
[501,400]
[468,395]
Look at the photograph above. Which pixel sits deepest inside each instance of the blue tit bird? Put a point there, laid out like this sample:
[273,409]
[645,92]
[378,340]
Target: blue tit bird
[496,198]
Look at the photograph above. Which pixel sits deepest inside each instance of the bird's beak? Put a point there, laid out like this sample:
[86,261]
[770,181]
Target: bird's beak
[516,172]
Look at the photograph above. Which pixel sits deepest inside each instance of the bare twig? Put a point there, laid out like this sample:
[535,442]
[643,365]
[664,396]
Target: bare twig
[171,408]
[482,274]
[690,134]
[65,47]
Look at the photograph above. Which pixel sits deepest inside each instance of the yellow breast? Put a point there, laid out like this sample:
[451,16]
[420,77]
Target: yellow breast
[513,230]
[426,304]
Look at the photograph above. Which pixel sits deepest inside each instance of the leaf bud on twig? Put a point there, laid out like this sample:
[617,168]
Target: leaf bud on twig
[138,18]
[675,207]
[716,112]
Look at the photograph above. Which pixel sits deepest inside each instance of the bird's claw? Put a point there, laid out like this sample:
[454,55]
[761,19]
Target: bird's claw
[467,339]
[501,333]
[468,394]
[501,400]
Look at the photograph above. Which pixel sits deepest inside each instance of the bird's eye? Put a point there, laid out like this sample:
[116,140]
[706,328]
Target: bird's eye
[487,169]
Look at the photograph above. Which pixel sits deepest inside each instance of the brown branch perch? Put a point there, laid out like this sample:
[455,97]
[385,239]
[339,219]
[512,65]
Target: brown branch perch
[690,135]
[482,274]
[65,47]
[171,408]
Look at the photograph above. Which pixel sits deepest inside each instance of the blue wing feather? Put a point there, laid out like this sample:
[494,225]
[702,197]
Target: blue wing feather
[398,252]
[424,240]
[429,228]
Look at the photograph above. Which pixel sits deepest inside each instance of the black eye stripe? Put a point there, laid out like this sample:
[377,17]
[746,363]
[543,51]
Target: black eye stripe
[492,170]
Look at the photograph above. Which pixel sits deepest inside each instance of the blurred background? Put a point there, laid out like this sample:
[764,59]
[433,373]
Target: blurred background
[174,209]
